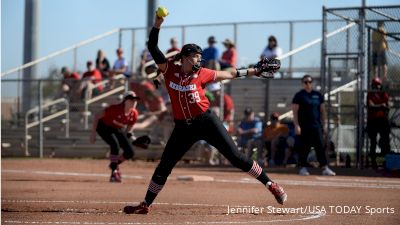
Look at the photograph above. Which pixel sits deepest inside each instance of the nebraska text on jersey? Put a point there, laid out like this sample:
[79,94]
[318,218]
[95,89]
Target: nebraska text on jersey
[187,91]
[190,87]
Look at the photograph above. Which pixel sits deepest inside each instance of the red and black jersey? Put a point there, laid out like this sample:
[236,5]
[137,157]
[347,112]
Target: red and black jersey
[377,98]
[187,91]
[117,113]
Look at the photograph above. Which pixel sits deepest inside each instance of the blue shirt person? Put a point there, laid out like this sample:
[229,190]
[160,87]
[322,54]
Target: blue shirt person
[211,55]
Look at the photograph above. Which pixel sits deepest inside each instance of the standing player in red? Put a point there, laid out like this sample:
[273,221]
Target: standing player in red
[193,120]
[115,125]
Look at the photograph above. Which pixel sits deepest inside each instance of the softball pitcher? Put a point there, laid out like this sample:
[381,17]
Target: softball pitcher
[185,80]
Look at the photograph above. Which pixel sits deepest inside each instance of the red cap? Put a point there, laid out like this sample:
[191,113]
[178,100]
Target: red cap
[377,81]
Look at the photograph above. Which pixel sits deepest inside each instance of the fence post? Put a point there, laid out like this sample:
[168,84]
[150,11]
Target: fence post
[26,135]
[67,120]
[120,38]
[133,60]
[221,102]
[19,113]
[40,119]
[347,46]
[126,83]
[329,107]
[290,48]
[361,85]
[183,35]
[75,59]
[86,115]
[323,50]
[235,35]
[338,128]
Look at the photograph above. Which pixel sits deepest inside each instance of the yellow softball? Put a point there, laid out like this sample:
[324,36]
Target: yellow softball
[162,12]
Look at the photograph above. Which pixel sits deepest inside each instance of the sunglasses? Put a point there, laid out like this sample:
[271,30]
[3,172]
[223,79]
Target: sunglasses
[307,81]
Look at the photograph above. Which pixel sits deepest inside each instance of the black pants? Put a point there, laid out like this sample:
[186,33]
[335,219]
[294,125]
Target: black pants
[116,139]
[312,137]
[378,126]
[206,127]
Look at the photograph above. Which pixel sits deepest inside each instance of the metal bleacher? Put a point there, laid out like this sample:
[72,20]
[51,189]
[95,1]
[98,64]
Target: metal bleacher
[264,95]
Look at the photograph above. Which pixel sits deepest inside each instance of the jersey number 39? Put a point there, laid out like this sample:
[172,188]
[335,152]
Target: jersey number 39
[194,97]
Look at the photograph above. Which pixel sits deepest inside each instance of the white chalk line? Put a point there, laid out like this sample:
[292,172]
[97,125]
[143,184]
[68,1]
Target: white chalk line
[108,202]
[347,183]
[119,203]
[308,217]
[316,183]
[397,181]
[68,173]
[302,217]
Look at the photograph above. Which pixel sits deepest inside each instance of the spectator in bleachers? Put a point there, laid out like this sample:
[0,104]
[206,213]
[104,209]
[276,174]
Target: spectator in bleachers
[211,55]
[275,138]
[292,142]
[379,48]
[310,123]
[154,108]
[163,126]
[120,65]
[215,89]
[91,78]
[213,94]
[153,102]
[70,83]
[146,57]
[272,50]
[140,86]
[378,122]
[249,135]
[151,106]
[229,56]
[102,64]
[174,47]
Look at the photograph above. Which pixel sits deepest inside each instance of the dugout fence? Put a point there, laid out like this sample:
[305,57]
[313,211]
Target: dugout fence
[348,57]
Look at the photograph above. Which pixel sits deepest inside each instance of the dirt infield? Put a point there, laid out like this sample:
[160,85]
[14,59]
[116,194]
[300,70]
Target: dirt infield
[57,191]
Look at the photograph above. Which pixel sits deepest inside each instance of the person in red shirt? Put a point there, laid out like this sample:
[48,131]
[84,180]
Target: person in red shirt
[174,47]
[186,80]
[69,84]
[153,102]
[229,56]
[115,126]
[90,78]
[215,89]
[378,122]
[140,86]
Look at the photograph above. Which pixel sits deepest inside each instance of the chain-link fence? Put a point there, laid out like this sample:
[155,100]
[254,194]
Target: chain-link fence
[12,111]
[47,90]
[250,39]
[343,65]
[367,49]
[132,40]
[64,104]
